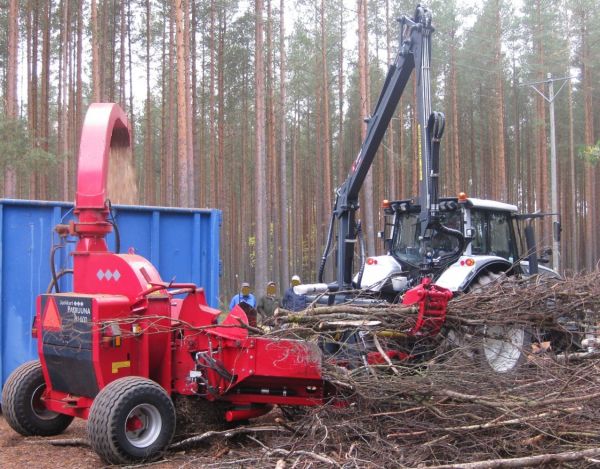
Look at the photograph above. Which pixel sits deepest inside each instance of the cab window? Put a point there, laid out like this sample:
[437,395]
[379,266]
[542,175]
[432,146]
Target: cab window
[492,233]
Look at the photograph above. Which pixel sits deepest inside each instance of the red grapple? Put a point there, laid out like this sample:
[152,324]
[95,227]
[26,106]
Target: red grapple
[432,301]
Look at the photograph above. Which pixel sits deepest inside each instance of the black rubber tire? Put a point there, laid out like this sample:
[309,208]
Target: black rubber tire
[109,414]
[23,410]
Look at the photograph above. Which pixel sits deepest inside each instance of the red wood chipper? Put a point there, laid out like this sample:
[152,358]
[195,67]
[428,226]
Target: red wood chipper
[123,344]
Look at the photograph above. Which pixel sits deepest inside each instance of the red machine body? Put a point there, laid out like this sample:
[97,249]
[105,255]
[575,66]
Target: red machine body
[122,320]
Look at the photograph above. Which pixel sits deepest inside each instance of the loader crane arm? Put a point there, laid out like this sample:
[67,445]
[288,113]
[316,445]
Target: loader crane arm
[414,54]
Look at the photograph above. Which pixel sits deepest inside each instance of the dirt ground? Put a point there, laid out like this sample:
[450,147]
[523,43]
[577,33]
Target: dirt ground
[17,451]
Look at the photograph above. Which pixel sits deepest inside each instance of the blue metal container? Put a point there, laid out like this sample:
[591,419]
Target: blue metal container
[183,244]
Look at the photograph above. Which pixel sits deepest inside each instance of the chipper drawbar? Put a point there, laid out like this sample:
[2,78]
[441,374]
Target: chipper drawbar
[120,347]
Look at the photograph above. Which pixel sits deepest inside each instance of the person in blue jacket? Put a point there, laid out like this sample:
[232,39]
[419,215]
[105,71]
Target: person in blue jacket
[243,297]
[291,300]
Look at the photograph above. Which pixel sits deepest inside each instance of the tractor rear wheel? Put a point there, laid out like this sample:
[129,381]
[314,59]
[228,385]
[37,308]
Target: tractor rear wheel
[502,348]
[132,419]
[23,403]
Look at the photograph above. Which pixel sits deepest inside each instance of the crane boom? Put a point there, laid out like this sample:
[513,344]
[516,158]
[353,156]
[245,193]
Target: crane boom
[414,54]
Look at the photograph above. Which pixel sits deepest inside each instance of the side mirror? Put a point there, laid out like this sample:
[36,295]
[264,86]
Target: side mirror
[556,231]
[531,252]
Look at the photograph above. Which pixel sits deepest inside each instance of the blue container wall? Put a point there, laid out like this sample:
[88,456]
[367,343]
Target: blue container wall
[183,244]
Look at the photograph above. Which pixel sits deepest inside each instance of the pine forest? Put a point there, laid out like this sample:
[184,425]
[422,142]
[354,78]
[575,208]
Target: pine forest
[257,108]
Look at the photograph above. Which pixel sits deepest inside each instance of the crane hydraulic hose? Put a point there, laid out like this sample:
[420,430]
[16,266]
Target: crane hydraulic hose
[327,249]
[361,244]
[450,258]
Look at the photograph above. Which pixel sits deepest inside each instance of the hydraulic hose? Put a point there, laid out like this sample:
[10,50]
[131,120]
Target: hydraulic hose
[54,281]
[361,244]
[115,226]
[450,258]
[327,249]
[55,277]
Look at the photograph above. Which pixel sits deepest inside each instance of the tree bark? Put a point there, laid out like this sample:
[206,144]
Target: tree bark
[96,96]
[182,142]
[455,122]
[588,139]
[500,191]
[261,246]
[326,130]
[63,141]
[527,461]
[148,192]
[213,182]
[189,174]
[285,254]
[363,70]
[10,175]
[169,153]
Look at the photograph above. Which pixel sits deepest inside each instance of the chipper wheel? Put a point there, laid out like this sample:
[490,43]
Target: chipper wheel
[24,407]
[132,419]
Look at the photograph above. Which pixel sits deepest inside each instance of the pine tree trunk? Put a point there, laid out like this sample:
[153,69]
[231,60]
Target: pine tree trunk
[44,101]
[149,193]
[63,140]
[96,95]
[501,192]
[454,125]
[170,139]
[32,88]
[340,141]
[588,139]
[122,57]
[188,107]
[261,247]
[196,145]
[212,164]
[10,175]
[285,254]
[326,133]
[541,147]
[391,169]
[416,163]
[78,114]
[182,155]
[363,70]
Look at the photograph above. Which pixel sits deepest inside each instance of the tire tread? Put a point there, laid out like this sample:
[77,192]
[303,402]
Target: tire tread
[15,409]
[102,424]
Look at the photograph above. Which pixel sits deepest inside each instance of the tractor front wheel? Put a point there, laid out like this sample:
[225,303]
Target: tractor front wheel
[503,348]
[23,403]
[131,420]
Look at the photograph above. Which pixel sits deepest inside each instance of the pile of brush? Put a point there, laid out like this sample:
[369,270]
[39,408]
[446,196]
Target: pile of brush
[443,405]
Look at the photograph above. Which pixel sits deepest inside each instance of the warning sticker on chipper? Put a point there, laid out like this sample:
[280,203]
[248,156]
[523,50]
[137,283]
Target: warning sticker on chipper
[75,309]
[67,321]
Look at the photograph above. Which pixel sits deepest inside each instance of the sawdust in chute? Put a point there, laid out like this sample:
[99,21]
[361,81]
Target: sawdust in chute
[121,184]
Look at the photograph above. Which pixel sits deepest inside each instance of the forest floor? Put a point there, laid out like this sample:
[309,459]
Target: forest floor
[17,451]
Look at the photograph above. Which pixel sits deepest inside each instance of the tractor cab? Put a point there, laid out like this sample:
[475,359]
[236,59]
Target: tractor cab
[494,241]
[488,226]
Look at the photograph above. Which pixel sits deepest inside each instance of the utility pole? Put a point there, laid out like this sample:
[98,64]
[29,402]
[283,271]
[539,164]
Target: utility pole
[553,170]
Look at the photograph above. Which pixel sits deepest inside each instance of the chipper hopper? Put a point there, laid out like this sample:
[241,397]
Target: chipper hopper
[120,347]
